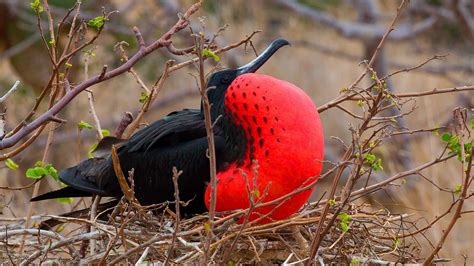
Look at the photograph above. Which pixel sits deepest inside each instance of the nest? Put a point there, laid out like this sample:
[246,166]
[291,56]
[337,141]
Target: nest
[136,234]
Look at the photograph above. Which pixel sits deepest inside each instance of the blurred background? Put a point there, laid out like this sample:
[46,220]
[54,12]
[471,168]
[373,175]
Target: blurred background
[329,40]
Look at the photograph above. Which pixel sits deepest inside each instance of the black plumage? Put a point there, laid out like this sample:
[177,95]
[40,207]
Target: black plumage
[178,140]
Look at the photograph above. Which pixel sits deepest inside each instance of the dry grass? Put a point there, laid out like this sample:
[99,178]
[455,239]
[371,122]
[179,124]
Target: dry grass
[372,236]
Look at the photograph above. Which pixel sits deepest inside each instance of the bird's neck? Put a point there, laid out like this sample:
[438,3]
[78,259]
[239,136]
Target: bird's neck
[234,134]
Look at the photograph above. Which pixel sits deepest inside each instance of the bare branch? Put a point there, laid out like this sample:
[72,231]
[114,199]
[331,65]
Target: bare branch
[358,30]
[9,92]
[164,40]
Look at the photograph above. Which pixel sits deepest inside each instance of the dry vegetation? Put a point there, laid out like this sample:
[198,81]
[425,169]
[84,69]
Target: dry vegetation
[392,190]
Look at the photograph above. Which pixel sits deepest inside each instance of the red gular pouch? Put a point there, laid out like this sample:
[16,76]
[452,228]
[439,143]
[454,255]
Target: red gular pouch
[284,152]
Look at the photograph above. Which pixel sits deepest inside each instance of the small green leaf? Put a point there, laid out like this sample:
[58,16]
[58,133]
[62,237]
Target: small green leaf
[345,218]
[52,42]
[36,6]
[143,97]
[36,173]
[396,243]
[457,189]
[360,103]
[472,124]
[105,132]
[207,226]
[65,200]
[97,22]
[52,171]
[208,53]
[344,227]
[373,161]
[68,65]
[256,193]
[332,202]
[370,158]
[91,150]
[446,137]
[354,261]
[83,125]
[11,164]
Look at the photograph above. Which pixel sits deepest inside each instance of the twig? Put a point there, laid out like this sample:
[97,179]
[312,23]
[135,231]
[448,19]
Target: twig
[56,108]
[90,97]
[460,116]
[126,190]
[9,92]
[142,258]
[176,175]
[206,106]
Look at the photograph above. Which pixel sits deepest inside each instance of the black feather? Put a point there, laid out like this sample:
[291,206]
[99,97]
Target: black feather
[178,140]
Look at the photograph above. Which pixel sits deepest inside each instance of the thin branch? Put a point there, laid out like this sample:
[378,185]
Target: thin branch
[352,29]
[9,92]
[163,41]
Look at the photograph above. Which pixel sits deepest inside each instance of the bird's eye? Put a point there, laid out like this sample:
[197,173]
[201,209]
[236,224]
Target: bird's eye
[225,79]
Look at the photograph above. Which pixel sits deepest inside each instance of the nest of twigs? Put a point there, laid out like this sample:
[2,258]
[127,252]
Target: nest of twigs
[135,234]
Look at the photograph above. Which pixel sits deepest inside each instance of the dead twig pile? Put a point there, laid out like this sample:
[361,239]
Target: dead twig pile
[136,234]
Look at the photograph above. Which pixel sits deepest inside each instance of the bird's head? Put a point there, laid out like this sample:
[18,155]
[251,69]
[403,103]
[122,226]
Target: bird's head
[220,81]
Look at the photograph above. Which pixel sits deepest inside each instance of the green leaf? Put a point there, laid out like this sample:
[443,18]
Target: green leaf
[396,243]
[208,53]
[472,124]
[68,65]
[143,97]
[256,193]
[65,200]
[11,164]
[36,6]
[97,22]
[83,125]
[91,150]
[345,218]
[370,158]
[344,227]
[207,226]
[457,189]
[52,171]
[373,161]
[105,132]
[332,202]
[446,137]
[36,172]
[360,103]
[354,261]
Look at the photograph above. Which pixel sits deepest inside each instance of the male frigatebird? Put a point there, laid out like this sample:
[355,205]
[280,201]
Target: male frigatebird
[267,132]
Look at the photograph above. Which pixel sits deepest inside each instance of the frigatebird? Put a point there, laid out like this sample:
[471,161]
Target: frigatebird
[259,122]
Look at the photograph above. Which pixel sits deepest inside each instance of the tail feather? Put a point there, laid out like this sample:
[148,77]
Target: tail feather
[66,192]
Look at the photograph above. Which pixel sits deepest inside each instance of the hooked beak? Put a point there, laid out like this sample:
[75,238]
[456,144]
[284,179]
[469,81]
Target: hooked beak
[262,58]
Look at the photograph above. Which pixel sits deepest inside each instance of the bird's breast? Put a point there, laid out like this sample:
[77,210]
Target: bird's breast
[284,138]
